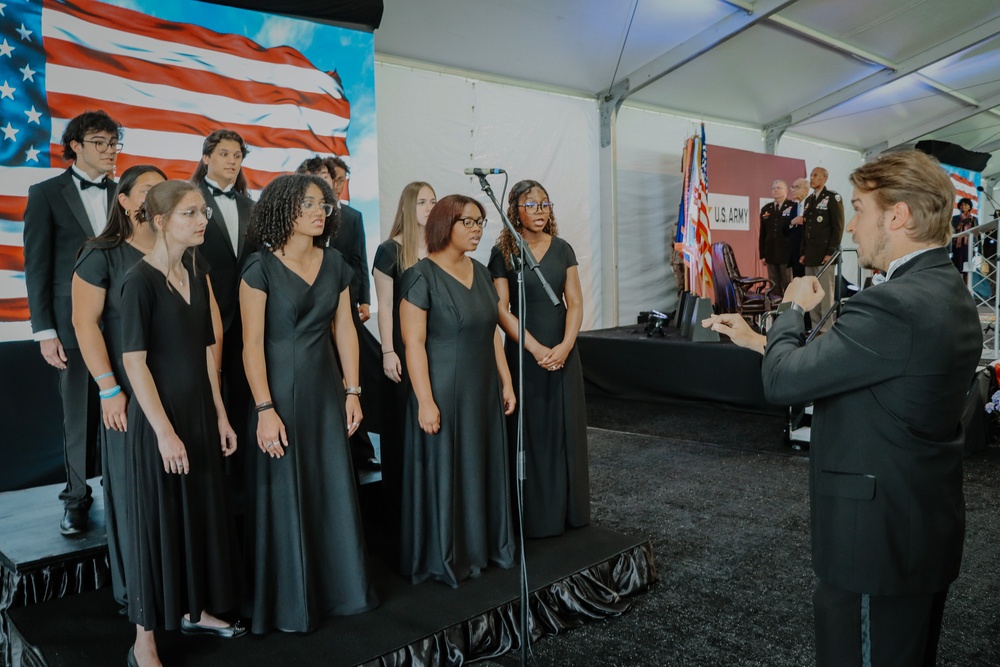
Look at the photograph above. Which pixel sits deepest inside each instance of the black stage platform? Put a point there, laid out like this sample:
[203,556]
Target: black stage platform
[625,363]
[52,614]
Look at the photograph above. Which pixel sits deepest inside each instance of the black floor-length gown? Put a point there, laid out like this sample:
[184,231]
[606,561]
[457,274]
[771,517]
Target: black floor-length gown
[557,479]
[388,259]
[106,268]
[181,536]
[456,490]
[305,537]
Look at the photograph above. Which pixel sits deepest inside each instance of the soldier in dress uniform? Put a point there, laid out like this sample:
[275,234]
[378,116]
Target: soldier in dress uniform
[824,225]
[774,220]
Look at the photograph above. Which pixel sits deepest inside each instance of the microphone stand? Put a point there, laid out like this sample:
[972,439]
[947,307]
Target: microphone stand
[526,259]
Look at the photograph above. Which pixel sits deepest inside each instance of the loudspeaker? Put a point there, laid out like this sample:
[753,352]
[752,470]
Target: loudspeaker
[699,334]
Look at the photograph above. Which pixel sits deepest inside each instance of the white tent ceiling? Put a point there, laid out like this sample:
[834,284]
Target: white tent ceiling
[864,74]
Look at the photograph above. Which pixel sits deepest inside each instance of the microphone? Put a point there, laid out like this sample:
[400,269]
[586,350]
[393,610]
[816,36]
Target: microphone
[476,171]
[996,209]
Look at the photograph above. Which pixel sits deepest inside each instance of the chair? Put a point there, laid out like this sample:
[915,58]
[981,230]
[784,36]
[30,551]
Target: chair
[750,297]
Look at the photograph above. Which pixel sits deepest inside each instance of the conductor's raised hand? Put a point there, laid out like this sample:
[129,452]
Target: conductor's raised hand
[734,326]
[805,291]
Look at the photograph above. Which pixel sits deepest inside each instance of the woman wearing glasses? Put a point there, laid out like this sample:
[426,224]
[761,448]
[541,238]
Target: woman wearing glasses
[456,490]
[305,544]
[182,560]
[557,483]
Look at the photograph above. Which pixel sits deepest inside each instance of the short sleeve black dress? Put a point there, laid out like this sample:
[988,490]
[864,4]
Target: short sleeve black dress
[182,554]
[456,485]
[557,480]
[305,536]
[105,268]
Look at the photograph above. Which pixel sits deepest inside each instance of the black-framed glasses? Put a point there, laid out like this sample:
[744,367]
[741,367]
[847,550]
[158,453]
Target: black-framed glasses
[533,206]
[473,222]
[308,205]
[102,145]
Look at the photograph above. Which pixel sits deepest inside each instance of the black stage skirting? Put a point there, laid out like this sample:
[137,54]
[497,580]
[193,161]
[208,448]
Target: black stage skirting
[625,363]
[52,614]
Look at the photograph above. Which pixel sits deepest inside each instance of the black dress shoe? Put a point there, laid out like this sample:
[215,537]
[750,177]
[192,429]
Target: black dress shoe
[237,629]
[131,661]
[74,521]
[372,464]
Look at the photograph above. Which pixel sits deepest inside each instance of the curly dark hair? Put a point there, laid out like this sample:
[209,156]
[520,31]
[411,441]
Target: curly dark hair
[84,124]
[119,229]
[208,147]
[313,165]
[965,200]
[443,217]
[280,204]
[506,242]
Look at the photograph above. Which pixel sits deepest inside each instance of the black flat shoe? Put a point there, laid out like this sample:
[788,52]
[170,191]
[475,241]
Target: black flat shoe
[233,631]
[131,662]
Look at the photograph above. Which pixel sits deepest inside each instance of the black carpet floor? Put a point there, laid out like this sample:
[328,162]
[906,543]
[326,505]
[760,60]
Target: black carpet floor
[725,505]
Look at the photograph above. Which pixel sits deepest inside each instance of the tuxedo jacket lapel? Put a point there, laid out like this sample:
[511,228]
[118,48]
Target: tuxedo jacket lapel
[217,219]
[243,206]
[72,196]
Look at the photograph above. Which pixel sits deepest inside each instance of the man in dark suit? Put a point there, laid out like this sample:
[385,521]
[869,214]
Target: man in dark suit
[774,220]
[797,193]
[220,177]
[823,228]
[888,381]
[61,214]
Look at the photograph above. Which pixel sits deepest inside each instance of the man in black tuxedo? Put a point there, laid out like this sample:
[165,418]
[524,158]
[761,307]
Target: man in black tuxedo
[61,214]
[220,177]
[888,381]
[773,239]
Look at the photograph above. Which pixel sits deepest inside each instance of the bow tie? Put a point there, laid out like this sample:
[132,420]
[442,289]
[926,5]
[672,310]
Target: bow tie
[216,192]
[103,184]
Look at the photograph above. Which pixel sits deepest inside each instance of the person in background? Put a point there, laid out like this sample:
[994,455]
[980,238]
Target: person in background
[61,214]
[889,382]
[405,246]
[456,485]
[557,480]
[775,217]
[960,223]
[823,229]
[306,543]
[350,241]
[97,297]
[798,193]
[182,566]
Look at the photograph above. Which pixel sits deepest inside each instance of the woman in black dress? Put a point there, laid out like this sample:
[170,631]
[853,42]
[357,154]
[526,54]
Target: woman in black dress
[456,488]
[557,481]
[182,559]
[960,223]
[404,247]
[97,289]
[305,539]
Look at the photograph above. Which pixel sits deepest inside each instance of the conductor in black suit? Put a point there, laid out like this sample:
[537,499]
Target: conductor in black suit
[61,214]
[350,241]
[220,177]
[888,381]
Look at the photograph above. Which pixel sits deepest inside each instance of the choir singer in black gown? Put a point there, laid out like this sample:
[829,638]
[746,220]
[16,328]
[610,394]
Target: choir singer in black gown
[557,481]
[182,559]
[305,538]
[456,485]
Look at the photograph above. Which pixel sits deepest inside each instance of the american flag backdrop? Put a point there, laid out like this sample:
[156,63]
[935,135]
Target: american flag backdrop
[168,83]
